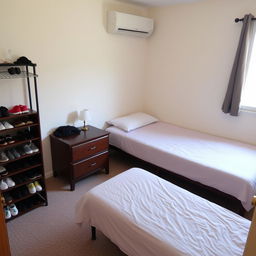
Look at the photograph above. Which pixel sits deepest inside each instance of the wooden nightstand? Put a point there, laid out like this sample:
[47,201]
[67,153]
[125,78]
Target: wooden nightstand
[78,156]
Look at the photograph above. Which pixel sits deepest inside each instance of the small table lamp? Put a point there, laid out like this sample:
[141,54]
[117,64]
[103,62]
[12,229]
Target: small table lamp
[84,116]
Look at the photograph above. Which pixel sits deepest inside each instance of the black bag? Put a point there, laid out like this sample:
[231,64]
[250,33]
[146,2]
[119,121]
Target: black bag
[65,131]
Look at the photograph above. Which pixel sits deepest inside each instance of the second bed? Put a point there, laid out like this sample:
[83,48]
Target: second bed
[226,165]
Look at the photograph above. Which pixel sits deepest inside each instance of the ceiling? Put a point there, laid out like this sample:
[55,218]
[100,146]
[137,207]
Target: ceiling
[160,2]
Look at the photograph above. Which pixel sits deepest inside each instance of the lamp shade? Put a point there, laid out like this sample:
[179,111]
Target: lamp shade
[85,115]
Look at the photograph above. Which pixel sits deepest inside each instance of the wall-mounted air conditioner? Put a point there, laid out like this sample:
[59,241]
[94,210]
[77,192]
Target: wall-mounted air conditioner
[128,24]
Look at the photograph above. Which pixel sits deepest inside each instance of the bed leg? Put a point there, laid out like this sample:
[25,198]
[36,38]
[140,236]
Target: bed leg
[93,229]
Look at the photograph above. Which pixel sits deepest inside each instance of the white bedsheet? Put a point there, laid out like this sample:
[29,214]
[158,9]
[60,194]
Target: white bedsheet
[226,165]
[145,215]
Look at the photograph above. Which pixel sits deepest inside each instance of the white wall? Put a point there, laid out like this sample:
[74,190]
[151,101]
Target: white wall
[190,58]
[80,65]
[180,73]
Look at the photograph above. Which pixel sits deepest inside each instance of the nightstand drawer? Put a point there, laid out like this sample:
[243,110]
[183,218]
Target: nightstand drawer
[82,168]
[90,148]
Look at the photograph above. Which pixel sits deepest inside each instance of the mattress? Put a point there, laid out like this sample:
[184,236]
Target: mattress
[226,165]
[146,215]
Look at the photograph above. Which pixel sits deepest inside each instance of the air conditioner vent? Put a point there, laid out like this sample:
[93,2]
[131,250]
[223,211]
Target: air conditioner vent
[136,31]
[128,24]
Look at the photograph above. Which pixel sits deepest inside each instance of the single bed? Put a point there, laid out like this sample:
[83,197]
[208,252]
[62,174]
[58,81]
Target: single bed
[145,215]
[225,165]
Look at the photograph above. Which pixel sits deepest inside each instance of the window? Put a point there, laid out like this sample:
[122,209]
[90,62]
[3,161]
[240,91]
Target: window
[248,97]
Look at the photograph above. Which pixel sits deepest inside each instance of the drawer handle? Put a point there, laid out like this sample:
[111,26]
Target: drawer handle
[92,148]
[93,164]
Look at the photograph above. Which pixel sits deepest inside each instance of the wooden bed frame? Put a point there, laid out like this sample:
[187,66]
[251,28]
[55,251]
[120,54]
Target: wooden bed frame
[225,200]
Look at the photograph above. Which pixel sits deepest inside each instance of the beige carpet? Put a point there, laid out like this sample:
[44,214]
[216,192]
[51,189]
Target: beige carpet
[51,230]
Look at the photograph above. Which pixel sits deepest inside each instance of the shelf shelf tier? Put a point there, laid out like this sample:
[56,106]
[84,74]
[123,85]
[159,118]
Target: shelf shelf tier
[27,71]
[16,65]
[23,74]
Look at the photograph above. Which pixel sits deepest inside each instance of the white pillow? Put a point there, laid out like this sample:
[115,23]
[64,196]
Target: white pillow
[133,121]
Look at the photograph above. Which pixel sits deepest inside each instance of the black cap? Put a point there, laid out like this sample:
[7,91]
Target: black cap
[23,60]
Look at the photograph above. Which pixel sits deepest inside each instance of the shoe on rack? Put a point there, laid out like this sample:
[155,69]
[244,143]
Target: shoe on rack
[38,186]
[31,175]
[10,155]
[24,109]
[3,157]
[3,171]
[33,147]
[3,141]
[3,185]
[31,188]
[2,127]
[11,71]
[15,153]
[14,210]
[9,139]
[4,111]
[17,70]
[9,181]
[34,175]
[28,122]
[8,198]
[21,151]
[15,110]
[27,149]
[37,174]
[7,212]
[7,125]
[19,124]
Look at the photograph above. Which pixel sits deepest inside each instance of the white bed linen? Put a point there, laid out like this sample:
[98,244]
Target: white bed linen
[146,215]
[226,165]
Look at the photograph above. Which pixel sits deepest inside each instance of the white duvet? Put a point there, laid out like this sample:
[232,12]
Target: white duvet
[226,165]
[145,215]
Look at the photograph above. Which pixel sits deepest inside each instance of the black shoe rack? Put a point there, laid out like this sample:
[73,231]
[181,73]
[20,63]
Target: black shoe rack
[27,168]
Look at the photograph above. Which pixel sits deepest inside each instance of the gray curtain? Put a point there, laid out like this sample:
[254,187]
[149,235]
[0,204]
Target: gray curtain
[238,74]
